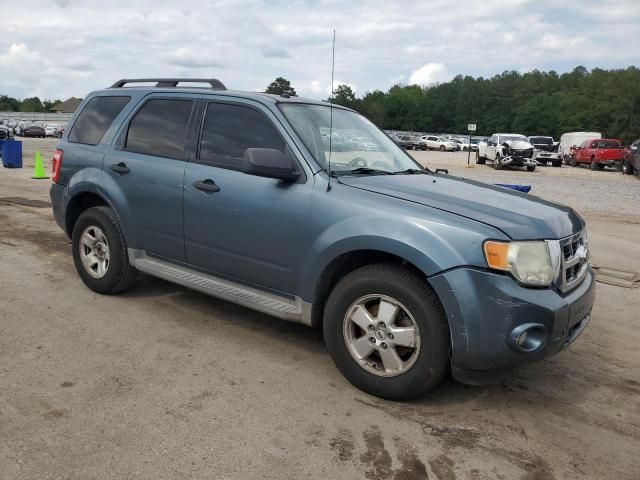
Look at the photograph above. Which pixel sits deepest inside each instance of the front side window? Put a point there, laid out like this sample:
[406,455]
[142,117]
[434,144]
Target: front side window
[159,128]
[95,118]
[229,130]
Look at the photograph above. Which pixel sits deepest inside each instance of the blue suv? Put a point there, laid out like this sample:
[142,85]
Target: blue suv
[240,195]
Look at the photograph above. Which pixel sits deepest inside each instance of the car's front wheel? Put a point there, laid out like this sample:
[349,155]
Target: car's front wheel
[387,332]
[100,252]
[627,169]
[531,168]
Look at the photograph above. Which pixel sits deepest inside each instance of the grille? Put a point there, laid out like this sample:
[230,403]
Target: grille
[575,260]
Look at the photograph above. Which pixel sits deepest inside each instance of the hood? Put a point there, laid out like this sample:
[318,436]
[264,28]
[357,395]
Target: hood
[519,215]
[518,144]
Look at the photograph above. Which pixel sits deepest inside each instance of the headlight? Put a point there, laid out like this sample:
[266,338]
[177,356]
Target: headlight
[531,263]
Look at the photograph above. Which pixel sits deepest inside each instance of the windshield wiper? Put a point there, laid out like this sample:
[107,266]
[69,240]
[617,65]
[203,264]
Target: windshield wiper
[410,171]
[362,171]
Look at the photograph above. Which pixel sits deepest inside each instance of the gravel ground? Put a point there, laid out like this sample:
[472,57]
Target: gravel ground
[163,382]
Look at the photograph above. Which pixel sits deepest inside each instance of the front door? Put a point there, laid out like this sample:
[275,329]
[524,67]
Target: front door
[246,228]
[147,164]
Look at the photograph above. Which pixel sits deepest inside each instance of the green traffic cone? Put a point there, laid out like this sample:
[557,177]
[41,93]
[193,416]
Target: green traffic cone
[38,168]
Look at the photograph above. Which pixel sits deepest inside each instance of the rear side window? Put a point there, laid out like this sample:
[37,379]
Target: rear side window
[229,130]
[160,129]
[96,117]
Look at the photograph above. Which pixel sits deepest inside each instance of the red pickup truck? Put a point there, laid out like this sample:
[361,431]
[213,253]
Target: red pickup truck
[598,153]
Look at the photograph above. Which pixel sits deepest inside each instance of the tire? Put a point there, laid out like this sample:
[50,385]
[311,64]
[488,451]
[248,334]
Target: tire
[423,366]
[531,168]
[101,223]
[627,169]
[573,162]
[442,148]
[557,164]
[480,160]
[496,163]
[593,165]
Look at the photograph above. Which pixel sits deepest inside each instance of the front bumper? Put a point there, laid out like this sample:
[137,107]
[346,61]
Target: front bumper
[544,157]
[483,308]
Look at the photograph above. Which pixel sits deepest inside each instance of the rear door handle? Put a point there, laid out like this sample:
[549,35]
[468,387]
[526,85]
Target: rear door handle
[207,185]
[120,168]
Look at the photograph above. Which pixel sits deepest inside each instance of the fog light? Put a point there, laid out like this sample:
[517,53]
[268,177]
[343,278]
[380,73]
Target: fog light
[528,338]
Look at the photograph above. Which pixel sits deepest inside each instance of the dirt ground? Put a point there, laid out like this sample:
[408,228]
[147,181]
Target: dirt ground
[163,382]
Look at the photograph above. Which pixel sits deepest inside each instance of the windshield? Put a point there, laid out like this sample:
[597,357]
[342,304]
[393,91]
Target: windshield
[513,138]
[541,140]
[606,144]
[357,145]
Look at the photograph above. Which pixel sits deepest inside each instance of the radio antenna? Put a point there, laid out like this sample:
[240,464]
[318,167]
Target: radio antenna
[333,63]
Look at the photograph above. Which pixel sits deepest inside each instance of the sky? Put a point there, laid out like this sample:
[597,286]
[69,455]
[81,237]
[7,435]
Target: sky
[62,48]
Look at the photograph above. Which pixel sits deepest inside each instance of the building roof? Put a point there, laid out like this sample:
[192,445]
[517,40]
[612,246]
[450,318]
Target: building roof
[68,106]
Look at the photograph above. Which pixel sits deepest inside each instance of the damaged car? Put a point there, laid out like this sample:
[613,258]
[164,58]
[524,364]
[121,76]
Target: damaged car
[507,150]
[545,151]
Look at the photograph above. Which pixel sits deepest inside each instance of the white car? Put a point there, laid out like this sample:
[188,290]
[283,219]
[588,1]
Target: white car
[439,143]
[52,130]
[507,150]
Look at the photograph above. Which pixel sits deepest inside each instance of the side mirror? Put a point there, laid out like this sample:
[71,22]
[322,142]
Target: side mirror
[270,163]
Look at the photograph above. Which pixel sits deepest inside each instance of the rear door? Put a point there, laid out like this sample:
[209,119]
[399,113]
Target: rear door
[247,228]
[147,165]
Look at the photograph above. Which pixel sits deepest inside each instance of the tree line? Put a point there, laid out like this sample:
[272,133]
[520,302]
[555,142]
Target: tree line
[532,103]
[32,104]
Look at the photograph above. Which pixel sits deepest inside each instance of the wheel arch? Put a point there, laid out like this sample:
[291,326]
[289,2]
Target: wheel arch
[80,202]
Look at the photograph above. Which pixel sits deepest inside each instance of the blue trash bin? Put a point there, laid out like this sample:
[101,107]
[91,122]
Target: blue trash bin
[11,154]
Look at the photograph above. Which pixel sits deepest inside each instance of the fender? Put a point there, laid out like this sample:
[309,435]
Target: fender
[431,245]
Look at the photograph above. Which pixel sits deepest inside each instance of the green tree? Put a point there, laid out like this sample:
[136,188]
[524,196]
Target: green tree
[280,85]
[32,104]
[343,95]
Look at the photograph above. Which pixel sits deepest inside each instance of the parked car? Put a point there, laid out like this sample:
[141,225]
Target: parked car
[406,142]
[598,153]
[33,131]
[52,129]
[439,143]
[411,274]
[544,151]
[507,150]
[418,143]
[570,141]
[6,133]
[631,162]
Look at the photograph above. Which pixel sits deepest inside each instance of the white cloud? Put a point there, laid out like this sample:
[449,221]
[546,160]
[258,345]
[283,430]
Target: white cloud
[430,74]
[191,58]
[377,43]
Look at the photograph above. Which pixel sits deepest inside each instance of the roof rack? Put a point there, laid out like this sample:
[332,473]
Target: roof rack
[171,82]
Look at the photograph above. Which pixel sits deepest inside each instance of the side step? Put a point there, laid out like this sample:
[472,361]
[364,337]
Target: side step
[271,304]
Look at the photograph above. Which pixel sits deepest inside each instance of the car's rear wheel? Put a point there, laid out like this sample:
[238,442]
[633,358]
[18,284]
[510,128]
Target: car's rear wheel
[480,160]
[387,332]
[531,168]
[100,252]
[442,148]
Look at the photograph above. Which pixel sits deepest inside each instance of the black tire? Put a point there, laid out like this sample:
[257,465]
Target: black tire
[480,160]
[600,166]
[531,168]
[496,163]
[593,165]
[442,148]
[557,164]
[120,274]
[573,162]
[627,169]
[432,361]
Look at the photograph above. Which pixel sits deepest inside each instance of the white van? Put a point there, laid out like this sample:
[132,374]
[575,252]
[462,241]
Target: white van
[573,139]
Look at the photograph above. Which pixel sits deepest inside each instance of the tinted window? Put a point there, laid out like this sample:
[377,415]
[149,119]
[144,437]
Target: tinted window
[95,119]
[160,128]
[230,129]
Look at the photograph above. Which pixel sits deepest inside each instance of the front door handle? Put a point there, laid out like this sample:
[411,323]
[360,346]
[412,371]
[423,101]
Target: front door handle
[207,185]
[120,168]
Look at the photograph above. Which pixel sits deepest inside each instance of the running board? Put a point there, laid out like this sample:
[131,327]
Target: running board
[271,304]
